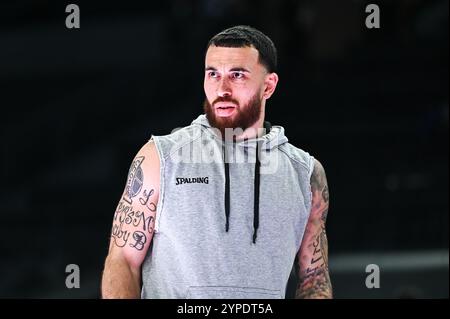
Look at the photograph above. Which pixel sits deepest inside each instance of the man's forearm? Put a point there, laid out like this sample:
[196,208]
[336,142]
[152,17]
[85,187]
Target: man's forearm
[314,278]
[120,281]
[315,286]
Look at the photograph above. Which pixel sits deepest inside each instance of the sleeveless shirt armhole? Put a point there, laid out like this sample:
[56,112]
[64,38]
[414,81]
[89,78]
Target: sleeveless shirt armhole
[159,206]
[310,172]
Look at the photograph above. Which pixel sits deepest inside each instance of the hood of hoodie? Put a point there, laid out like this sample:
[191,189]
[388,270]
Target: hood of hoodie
[273,137]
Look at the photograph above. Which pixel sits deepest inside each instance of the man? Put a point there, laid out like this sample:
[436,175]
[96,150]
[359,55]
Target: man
[227,217]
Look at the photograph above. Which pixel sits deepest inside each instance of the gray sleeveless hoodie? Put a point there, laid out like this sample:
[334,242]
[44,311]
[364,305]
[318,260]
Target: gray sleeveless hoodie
[228,223]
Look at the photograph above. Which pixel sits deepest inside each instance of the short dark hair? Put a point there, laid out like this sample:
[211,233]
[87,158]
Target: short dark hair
[246,36]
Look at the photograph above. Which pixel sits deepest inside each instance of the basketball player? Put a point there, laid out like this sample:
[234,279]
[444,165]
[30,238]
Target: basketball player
[222,208]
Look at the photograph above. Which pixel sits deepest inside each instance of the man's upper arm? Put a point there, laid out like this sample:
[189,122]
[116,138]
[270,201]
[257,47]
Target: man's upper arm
[134,219]
[314,280]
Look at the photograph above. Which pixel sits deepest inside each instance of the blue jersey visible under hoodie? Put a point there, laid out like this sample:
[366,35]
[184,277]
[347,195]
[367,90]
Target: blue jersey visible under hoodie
[228,224]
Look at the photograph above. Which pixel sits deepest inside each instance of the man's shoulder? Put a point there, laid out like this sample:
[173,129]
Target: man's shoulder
[149,154]
[297,155]
[176,139]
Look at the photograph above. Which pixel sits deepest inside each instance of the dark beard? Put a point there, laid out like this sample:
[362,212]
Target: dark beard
[242,119]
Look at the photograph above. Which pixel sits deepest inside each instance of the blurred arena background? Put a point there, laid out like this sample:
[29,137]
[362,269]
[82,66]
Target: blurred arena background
[77,104]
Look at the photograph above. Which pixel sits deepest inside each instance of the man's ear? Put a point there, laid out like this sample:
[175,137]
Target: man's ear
[270,84]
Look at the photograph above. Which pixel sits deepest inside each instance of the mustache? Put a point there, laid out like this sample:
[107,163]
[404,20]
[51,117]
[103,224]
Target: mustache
[225,99]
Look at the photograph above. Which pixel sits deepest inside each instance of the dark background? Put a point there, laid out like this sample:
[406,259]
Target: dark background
[370,104]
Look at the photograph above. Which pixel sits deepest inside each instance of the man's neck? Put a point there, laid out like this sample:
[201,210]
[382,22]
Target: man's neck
[254,131]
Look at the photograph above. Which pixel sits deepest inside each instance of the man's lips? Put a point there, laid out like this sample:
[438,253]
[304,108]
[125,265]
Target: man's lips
[224,105]
[224,109]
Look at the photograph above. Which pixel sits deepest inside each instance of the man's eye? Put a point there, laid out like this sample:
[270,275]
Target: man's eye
[237,75]
[213,74]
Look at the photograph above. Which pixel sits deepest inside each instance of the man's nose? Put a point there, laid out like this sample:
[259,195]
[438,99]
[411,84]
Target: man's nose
[224,89]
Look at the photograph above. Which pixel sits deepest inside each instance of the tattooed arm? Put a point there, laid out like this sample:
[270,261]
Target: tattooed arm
[314,279]
[132,229]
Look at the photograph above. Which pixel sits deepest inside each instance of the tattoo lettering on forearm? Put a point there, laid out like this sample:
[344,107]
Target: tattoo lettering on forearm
[315,285]
[324,248]
[135,180]
[315,282]
[317,254]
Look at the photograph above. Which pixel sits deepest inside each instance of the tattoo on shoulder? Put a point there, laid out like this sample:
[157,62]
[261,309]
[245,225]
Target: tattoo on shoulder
[325,195]
[135,180]
[319,179]
[319,188]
